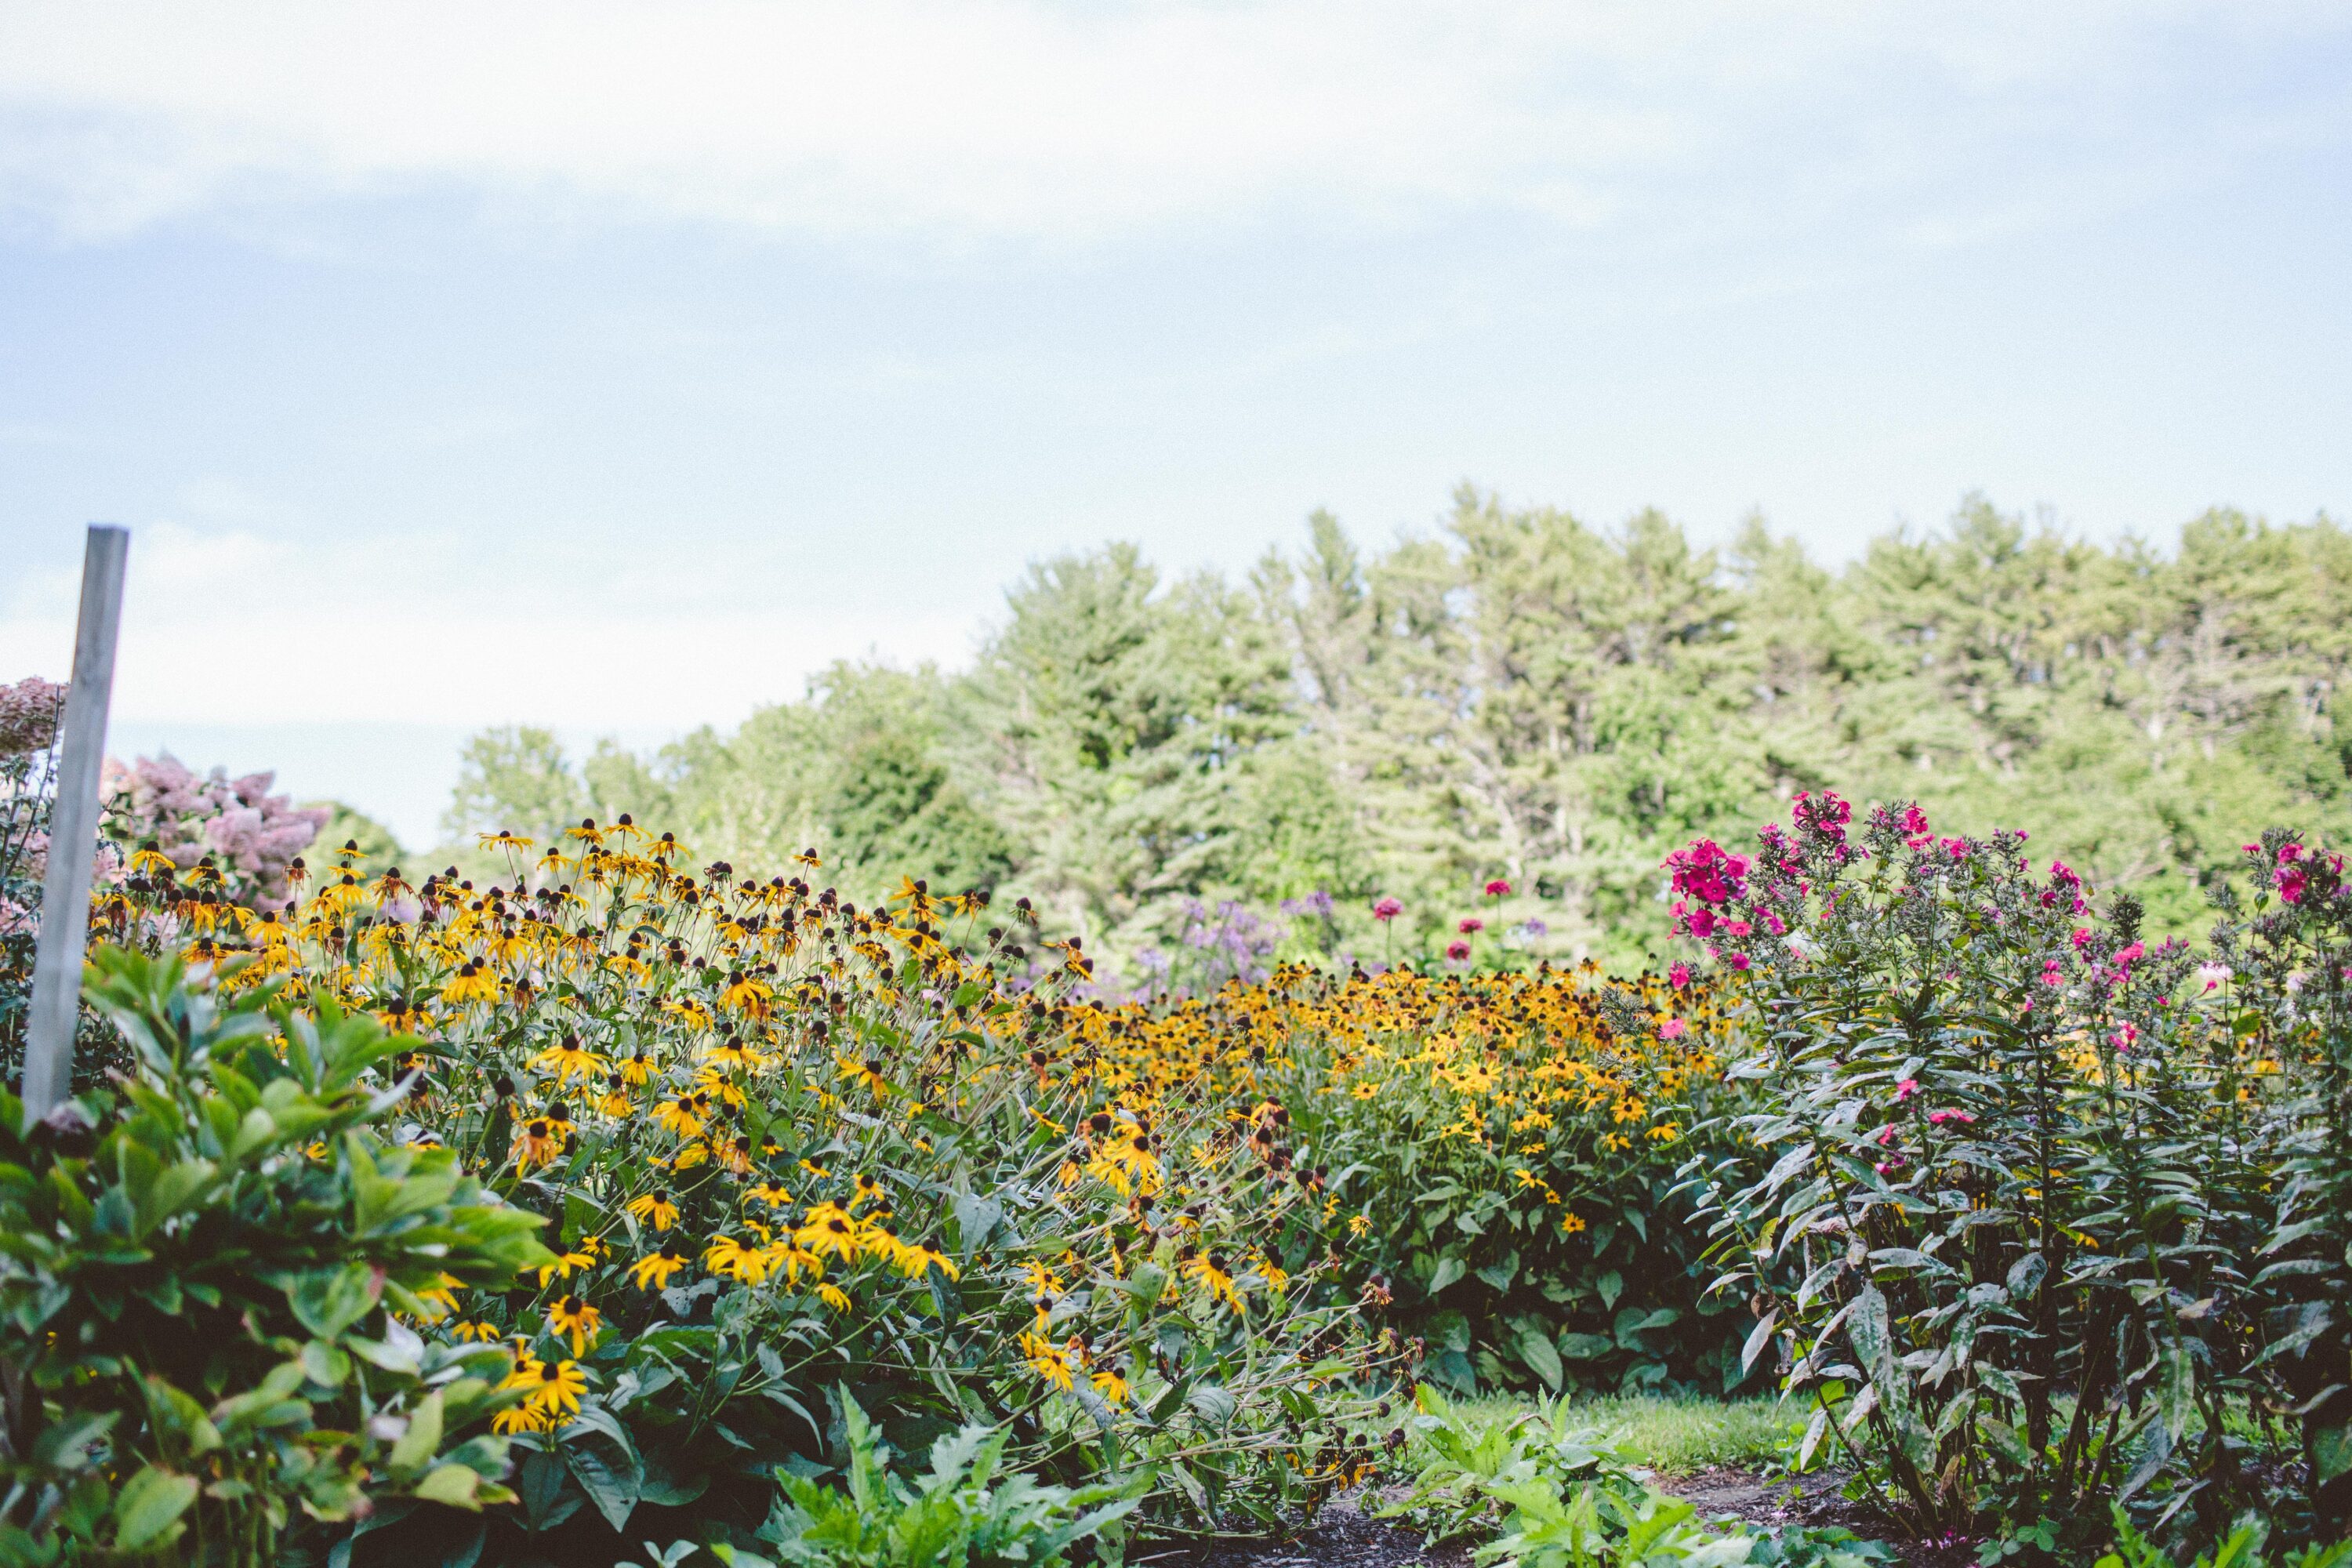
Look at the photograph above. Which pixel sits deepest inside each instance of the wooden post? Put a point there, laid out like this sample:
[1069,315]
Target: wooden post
[73,828]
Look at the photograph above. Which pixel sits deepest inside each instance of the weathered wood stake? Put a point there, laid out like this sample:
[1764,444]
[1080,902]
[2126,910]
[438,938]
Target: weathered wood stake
[73,828]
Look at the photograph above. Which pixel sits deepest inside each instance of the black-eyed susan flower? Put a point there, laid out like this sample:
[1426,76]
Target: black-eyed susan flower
[573,1317]
[829,1231]
[1047,1360]
[651,1272]
[656,1208]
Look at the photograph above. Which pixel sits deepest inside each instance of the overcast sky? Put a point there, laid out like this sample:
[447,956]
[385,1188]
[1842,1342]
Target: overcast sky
[614,365]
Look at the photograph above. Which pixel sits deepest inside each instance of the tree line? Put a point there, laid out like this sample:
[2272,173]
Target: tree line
[1522,696]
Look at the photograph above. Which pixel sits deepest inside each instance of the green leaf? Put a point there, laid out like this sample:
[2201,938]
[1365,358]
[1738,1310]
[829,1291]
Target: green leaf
[1449,1268]
[423,1438]
[148,1505]
[2176,1389]
[329,1303]
[452,1485]
[1536,1349]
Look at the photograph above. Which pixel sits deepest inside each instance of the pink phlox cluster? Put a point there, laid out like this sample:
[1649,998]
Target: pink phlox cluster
[1823,816]
[2066,885]
[1678,976]
[1915,828]
[1939,1118]
[1673,1029]
[2303,872]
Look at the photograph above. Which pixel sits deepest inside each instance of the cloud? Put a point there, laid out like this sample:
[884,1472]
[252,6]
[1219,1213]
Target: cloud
[1053,123]
[236,627]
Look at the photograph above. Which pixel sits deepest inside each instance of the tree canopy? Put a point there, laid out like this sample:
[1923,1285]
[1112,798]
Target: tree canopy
[1524,696]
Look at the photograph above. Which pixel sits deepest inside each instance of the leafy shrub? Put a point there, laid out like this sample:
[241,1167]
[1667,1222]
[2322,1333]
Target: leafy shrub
[965,1513]
[2242,1548]
[1456,1492]
[2014,1169]
[202,1277]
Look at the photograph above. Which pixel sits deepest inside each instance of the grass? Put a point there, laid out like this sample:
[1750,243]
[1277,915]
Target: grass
[1674,1436]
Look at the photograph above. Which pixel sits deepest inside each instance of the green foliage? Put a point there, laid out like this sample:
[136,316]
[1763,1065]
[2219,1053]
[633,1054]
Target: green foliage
[965,1511]
[201,1279]
[2242,1548]
[378,848]
[2024,1170]
[1554,1495]
[1527,696]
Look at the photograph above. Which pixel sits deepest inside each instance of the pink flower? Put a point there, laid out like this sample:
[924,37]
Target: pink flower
[2080,938]
[1736,960]
[1678,976]
[1471,923]
[1915,827]
[1737,928]
[1386,908]
[2291,883]
[1937,1117]
[1887,1135]
[1906,1090]
[1673,1029]
[2125,1038]
[1706,873]
[1498,889]
[1457,951]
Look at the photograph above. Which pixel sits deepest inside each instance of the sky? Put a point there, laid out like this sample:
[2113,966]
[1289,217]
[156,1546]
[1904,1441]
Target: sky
[614,366]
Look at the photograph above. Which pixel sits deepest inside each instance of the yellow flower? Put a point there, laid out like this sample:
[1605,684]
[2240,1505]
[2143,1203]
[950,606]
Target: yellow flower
[539,1141]
[1208,1269]
[576,1318]
[1111,1385]
[565,1262]
[654,1208]
[679,1115]
[727,1255]
[829,1230]
[519,1419]
[1047,1360]
[555,1387]
[834,1297]
[472,983]
[570,1060]
[1570,1222]
[653,1271]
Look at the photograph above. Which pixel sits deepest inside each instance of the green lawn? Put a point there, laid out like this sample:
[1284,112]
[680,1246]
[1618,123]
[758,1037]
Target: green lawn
[1673,1435]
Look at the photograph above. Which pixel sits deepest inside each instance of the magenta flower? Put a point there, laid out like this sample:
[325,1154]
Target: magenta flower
[1471,923]
[1457,950]
[1937,1117]
[1706,872]
[1386,908]
[1673,1029]
[1678,976]
[1498,889]
[1906,1090]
